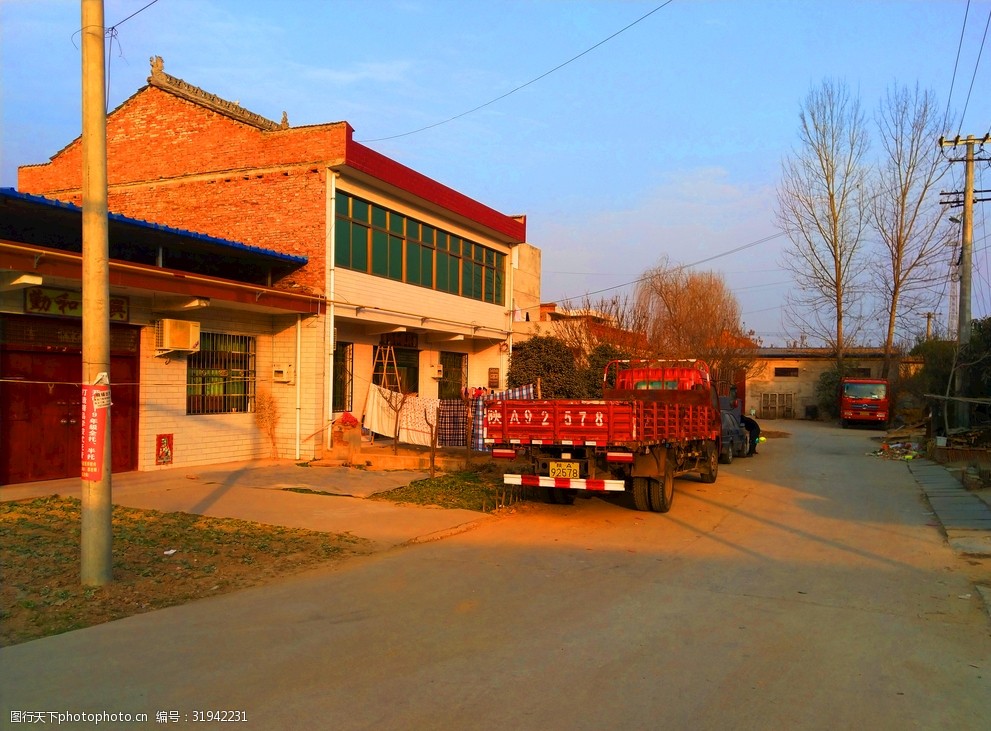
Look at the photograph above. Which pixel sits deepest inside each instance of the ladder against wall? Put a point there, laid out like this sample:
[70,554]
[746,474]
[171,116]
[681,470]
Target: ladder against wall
[385,365]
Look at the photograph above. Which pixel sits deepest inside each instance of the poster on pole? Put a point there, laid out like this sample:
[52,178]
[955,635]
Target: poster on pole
[95,421]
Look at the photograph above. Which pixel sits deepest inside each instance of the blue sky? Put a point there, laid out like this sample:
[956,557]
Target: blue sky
[666,140]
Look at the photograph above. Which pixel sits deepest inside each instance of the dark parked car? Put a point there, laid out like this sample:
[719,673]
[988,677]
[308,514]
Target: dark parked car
[736,441]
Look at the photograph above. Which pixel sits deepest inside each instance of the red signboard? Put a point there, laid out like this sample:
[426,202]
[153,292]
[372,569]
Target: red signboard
[163,450]
[95,421]
[67,303]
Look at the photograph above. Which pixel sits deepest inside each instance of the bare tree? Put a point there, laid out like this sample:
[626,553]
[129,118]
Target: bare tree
[694,315]
[397,402]
[903,210]
[822,206]
[616,321]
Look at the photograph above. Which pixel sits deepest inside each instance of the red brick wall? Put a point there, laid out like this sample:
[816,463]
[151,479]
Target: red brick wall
[177,163]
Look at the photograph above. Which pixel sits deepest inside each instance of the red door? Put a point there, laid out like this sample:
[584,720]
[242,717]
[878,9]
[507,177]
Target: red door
[40,410]
[123,413]
[39,418]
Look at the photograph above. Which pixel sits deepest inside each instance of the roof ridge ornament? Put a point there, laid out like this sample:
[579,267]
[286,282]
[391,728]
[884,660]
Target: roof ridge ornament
[197,95]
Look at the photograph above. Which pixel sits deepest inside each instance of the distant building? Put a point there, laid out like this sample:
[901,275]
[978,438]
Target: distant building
[410,271]
[784,382]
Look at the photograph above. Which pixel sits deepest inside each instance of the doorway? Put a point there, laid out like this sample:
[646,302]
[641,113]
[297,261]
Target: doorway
[40,408]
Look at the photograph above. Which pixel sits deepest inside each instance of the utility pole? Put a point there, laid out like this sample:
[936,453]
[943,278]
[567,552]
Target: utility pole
[96,546]
[929,325]
[966,255]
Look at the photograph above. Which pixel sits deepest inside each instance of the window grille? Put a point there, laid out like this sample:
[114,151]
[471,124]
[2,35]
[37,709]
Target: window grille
[343,376]
[220,378]
[455,376]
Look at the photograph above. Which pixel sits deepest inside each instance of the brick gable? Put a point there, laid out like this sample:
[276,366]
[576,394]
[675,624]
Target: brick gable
[179,156]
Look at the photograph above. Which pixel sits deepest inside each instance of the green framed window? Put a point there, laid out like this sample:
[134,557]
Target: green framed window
[380,253]
[426,266]
[359,210]
[413,263]
[373,239]
[396,224]
[380,217]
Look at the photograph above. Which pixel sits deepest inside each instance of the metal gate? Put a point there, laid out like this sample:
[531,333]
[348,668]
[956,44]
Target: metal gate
[777,406]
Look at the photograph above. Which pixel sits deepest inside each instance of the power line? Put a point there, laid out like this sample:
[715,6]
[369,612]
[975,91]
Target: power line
[762,286]
[523,86]
[977,65]
[685,266]
[956,64]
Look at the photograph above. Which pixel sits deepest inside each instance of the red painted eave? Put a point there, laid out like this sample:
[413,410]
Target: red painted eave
[380,167]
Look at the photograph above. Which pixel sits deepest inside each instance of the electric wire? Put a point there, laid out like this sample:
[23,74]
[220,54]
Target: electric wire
[956,64]
[528,83]
[977,65]
[680,267]
[136,12]
[112,34]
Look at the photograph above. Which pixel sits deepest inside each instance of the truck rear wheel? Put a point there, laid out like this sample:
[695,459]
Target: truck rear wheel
[662,492]
[641,493]
[711,467]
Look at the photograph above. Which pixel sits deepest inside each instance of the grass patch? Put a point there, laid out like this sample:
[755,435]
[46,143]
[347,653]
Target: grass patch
[310,491]
[41,594]
[480,488]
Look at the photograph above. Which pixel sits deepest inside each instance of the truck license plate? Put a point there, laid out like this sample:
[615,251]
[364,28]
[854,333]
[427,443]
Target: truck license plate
[564,469]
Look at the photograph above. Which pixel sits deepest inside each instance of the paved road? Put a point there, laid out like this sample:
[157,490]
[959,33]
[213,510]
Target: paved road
[808,588]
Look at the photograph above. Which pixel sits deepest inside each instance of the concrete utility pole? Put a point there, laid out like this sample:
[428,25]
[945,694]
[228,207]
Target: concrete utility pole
[96,548]
[966,258]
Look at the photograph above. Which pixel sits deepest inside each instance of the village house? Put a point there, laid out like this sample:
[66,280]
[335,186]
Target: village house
[408,284]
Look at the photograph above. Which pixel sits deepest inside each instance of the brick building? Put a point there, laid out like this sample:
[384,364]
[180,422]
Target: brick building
[161,367]
[784,384]
[420,280]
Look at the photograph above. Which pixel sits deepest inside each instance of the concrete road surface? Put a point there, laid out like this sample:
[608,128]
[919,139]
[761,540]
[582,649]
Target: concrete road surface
[808,588]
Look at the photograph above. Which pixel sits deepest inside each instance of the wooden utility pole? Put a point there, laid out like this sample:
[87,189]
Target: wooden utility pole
[966,257]
[96,549]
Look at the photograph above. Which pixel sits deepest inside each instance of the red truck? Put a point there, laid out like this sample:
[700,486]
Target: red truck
[864,401]
[656,420]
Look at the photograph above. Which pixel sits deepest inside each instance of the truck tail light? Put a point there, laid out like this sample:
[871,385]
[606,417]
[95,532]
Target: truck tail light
[619,456]
[504,453]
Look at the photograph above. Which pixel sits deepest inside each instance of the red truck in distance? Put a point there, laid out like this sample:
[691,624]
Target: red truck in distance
[864,401]
[657,419]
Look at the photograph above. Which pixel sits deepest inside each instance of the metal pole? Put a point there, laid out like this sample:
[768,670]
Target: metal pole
[96,548]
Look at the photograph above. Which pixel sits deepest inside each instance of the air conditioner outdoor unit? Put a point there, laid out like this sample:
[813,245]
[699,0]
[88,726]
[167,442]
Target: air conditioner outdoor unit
[177,335]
